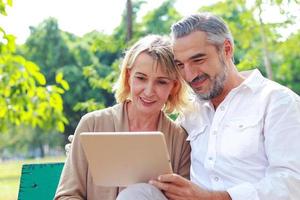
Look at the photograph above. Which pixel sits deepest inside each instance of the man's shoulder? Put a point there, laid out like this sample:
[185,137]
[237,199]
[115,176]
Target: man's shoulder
[278,91]
[195,117]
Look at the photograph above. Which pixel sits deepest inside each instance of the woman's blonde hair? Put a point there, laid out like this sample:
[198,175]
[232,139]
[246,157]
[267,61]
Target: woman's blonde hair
[159,48]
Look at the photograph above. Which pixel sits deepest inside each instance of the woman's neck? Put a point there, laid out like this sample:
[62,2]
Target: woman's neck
[140,121]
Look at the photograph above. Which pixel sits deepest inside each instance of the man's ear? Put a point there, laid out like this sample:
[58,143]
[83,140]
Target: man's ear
[228,49]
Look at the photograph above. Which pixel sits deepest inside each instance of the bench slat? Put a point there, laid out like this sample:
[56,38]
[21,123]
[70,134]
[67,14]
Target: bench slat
[39,181]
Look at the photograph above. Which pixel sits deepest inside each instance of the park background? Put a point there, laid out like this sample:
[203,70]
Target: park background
[54,77]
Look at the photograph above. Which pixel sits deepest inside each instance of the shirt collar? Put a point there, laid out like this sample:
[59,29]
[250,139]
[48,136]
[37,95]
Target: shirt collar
[253,79]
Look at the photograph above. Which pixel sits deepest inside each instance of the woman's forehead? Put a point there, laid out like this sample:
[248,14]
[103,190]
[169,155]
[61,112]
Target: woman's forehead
[155,71]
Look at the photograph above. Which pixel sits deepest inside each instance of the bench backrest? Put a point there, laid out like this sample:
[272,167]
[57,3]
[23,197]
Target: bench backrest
[39,181]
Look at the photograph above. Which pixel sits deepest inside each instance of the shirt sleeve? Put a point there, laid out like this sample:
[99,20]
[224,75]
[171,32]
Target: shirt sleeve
[282,142]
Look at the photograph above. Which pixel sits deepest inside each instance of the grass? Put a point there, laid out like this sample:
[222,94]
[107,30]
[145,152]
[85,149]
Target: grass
[10,172]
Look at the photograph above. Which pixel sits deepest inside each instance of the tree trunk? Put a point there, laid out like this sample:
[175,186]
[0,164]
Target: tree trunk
[266,56]
[41,147]
[129,20]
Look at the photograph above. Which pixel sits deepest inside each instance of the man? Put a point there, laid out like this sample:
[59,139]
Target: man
[244,130]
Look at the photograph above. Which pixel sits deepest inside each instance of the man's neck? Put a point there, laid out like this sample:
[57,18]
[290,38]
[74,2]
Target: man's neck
[234,79]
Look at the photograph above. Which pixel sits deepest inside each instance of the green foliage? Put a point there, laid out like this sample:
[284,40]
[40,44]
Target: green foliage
[3,5]
[89,106]
[47,47]
[159,20]
[25,98]
[61,52]
[119,34]
[288,59]
[26,141]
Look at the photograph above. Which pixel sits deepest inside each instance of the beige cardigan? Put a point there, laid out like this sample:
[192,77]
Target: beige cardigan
[76,181]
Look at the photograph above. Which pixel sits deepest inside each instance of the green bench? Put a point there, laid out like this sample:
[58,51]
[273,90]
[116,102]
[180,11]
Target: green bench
[39,181]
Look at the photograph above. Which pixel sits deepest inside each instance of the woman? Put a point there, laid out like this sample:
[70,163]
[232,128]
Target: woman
[149,83]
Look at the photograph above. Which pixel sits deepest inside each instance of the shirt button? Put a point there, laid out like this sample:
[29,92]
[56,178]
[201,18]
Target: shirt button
[215,132]
[210,158]
[222,108]
[216,179]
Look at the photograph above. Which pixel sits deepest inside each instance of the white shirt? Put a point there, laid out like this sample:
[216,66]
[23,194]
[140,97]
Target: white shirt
[249,146]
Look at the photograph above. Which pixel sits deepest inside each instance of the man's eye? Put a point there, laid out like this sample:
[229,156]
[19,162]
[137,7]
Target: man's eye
[180,65]
[198,60]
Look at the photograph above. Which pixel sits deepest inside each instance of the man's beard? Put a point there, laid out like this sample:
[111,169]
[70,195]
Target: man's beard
[217,84]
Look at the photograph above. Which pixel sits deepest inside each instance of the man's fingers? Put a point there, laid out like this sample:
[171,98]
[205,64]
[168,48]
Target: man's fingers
[172,178]
[167,187]
[70,138]
[172,196]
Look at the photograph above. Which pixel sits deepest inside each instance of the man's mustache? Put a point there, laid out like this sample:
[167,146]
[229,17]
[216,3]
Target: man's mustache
[200,78]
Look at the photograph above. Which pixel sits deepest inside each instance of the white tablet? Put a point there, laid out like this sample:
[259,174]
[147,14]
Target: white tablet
[124,158]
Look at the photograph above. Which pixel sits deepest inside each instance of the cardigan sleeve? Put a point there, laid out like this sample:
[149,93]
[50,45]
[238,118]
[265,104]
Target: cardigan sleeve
[179,149]
[76,180]
[73,180]
[185,152]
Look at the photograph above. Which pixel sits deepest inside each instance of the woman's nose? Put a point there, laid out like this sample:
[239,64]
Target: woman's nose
[149,89]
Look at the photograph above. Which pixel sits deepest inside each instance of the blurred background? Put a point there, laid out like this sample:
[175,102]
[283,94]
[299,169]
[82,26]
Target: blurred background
[51,73]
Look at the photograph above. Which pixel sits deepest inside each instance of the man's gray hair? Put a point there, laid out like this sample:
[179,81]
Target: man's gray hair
[216,29]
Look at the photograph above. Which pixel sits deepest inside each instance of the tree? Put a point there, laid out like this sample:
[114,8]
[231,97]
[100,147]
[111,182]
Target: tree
[129,20]
[159,20]
[47,47]
[79,59]
[288,59]
[25,98]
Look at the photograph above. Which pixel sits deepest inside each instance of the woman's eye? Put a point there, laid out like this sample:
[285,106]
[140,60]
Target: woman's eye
[140,78]
[162,82]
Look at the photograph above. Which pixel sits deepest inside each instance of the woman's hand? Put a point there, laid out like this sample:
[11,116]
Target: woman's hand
[68,145]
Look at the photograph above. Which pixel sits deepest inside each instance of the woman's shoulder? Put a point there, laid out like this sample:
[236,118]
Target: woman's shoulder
[170,126]
[101,120]
[102,113]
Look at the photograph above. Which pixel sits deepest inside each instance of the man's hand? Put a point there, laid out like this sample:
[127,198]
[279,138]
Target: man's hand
[176,187]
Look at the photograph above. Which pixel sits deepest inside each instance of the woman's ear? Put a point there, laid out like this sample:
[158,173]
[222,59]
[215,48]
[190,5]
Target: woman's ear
[128,76]
[175,88]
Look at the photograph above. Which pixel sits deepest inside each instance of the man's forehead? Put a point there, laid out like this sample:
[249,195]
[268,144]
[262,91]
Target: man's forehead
[197,38]
[189,53]
[190,45]
[195,35]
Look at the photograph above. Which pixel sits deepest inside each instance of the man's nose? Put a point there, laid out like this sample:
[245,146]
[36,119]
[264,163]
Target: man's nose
[189,73]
